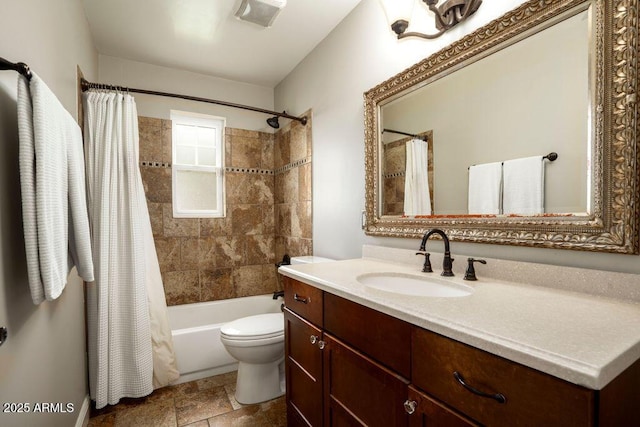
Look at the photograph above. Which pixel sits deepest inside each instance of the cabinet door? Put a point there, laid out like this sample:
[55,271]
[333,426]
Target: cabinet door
[426,412]
[359,391]
[303,371]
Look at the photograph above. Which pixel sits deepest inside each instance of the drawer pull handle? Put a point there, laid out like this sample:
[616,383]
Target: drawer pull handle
[410,406]
[313,339]
[499,397]
[321,344]
[303,300]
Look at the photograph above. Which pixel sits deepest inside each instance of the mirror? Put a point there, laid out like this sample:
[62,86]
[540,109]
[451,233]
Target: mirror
[528,84]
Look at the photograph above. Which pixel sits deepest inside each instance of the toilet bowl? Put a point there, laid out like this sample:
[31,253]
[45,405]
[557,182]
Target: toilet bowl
[257,342]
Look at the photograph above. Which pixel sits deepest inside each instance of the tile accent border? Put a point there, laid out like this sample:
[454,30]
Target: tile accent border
[152,164]
[297,163]
[249,170]
[394,174]
[292,165]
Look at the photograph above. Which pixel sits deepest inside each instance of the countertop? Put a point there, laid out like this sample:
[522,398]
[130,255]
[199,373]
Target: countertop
[582,338]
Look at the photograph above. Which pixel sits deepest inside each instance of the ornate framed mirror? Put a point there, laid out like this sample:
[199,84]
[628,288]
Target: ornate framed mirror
[550,76]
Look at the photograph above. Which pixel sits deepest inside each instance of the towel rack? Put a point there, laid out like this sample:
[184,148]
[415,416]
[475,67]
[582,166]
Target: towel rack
[404,133]
[551,157]
[20,67]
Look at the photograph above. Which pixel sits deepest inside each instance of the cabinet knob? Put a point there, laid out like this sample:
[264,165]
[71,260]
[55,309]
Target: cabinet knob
[321,344]
[410,406]
[313,339]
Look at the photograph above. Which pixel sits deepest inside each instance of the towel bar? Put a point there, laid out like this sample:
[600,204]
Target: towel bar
[20,67]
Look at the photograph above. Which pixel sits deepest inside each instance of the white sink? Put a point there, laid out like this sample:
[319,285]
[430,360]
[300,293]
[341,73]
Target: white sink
[414,285]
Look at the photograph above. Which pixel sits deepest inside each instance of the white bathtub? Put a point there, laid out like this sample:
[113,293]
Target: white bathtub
[196,333]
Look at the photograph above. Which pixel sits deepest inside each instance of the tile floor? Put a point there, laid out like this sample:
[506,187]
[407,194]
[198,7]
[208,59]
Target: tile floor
[208,402]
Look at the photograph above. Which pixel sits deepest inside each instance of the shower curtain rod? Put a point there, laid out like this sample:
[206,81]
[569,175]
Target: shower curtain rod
[20,67]
[403,133]
[86,85]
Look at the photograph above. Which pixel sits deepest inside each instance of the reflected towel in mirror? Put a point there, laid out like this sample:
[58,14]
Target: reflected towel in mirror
[524,186]
[485,188]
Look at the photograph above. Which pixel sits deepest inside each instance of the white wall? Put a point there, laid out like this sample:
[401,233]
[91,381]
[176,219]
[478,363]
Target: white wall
[44,358]
[124,72]
[360,53]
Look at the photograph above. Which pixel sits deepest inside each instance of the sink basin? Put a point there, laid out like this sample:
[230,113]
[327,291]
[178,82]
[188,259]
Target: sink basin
[406,284]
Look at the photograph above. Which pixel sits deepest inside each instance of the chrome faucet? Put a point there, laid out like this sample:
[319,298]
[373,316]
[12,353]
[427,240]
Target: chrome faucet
[447,262]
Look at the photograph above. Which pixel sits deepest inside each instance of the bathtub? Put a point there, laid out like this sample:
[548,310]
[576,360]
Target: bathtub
[195,329]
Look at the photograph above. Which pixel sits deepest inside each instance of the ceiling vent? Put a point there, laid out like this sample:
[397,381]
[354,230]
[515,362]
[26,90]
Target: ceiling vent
[261,12]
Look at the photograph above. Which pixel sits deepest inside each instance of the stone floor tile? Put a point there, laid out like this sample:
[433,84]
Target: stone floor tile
[202,405]
[153,414]
[106,420]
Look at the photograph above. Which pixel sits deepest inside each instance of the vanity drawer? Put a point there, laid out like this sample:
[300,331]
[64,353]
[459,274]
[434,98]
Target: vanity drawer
[303,300]
[532,397]
[378,335]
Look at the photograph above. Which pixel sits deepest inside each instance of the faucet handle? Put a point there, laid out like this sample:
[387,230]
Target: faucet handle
[470,274]
[426,268]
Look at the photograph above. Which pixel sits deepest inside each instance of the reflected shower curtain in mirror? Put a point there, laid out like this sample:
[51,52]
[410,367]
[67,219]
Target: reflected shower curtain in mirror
[417,200]
[130,346]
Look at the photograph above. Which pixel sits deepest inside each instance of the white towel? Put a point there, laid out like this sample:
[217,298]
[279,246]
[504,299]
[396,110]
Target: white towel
[524,186]
[485,188]
[417,198]
[55,220]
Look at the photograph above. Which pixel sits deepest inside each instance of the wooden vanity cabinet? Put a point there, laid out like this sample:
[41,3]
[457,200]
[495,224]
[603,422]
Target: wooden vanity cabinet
[350,365]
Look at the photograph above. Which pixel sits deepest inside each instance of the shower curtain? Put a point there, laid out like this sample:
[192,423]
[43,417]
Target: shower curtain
[417,199]
[130,346]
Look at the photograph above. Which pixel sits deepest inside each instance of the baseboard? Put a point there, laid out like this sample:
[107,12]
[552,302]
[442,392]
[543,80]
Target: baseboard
[83,414]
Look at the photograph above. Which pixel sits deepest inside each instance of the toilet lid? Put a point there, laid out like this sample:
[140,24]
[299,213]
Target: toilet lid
[253,327]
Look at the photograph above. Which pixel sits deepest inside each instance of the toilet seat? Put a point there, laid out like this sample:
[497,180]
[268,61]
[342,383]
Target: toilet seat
[254,328]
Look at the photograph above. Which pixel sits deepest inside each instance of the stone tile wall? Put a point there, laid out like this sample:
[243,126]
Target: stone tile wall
[394,160]
[210,259]
[293,213]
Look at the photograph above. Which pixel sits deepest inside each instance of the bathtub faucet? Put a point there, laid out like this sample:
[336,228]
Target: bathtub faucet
[277,294]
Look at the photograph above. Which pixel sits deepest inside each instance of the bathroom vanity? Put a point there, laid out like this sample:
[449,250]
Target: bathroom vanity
[507,354]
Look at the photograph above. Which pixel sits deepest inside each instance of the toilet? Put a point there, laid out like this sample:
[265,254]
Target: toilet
[257,342]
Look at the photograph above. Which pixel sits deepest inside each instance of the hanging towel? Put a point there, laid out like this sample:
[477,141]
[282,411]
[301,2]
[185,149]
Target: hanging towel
[524,186]
[52,181]
[417,199]
[485,188]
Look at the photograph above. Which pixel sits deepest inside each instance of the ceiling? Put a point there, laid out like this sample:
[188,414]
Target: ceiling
[204,36]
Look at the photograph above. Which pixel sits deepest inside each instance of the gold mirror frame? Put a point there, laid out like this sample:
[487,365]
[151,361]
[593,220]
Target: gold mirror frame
[612,224]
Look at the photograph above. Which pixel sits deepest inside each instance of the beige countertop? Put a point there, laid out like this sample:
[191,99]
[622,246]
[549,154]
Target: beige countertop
[583,338]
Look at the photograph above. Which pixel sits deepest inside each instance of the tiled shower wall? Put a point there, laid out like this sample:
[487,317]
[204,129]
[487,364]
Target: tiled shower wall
[292,195]
[268,196]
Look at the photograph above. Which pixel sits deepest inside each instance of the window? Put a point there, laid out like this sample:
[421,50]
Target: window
[198,165]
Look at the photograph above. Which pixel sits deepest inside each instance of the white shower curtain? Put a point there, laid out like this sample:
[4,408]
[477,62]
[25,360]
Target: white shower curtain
[130,346]
[417,200]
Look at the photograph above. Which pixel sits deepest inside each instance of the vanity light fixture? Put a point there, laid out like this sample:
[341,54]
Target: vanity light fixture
[447,15]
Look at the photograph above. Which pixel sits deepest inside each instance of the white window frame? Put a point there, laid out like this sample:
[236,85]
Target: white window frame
[201,120]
